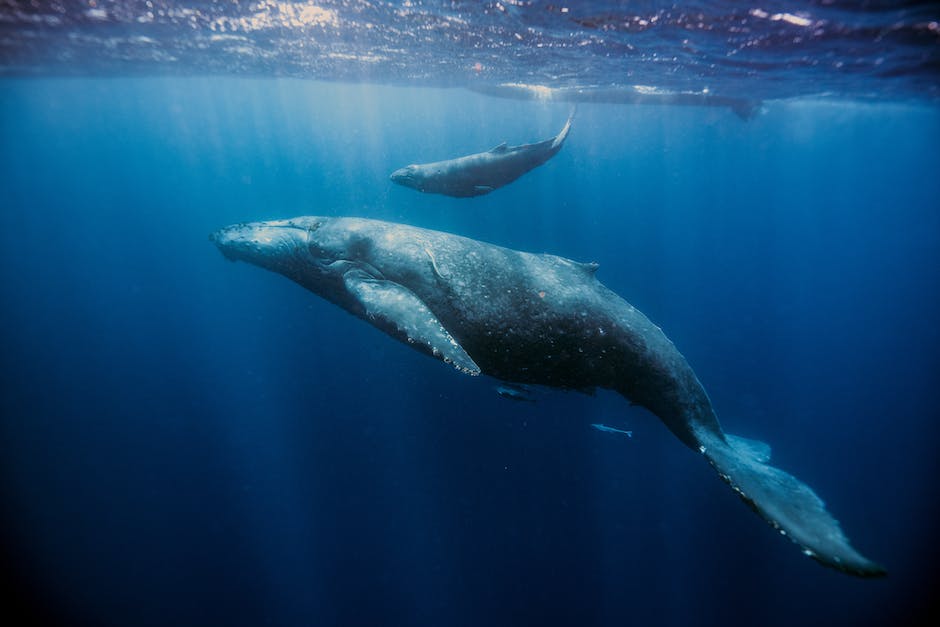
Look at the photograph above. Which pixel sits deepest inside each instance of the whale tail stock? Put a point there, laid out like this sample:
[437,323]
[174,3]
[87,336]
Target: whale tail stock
[563,135]
[788,504]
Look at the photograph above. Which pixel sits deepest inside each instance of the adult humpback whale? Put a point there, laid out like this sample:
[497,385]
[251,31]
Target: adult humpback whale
[529,318]
[481,173]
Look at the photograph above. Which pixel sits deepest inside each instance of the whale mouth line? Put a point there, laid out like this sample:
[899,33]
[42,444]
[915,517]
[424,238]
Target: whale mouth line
[227,252]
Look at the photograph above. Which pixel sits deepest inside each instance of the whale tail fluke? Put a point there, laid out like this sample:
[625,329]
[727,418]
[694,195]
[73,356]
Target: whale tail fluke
[788,504]
[563,135]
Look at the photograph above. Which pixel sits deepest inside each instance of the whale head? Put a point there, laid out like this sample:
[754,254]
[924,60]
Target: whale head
[312,250]
[262,243]
[410,176]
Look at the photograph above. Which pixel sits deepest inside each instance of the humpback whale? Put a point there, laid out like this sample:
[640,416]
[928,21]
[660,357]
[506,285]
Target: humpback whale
[481,173]
[744,108]
[531,319]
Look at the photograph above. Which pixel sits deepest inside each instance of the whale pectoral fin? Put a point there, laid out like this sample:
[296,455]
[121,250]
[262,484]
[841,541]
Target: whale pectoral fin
[503,147]
[399,312]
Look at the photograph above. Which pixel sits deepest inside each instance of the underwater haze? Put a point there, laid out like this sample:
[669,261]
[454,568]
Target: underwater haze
[191,441]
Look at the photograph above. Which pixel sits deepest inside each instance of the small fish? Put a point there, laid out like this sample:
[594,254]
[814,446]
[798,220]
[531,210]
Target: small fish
[515,392]
[607,429]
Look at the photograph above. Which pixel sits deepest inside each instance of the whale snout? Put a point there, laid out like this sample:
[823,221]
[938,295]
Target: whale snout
[405,176]
[260,242]
[236,241]
[228,240]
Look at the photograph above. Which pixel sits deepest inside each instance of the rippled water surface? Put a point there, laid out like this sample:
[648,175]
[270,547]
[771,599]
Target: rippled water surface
[771,49]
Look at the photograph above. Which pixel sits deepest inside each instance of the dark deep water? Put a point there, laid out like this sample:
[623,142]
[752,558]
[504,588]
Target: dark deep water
[190,441]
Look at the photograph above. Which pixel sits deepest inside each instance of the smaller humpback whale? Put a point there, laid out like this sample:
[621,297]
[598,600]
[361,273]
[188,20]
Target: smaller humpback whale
[481,173]
[531,319]
[606,429]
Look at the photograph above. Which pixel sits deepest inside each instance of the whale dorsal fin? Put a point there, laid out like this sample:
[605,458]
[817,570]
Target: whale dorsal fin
[590,267]
[503,147]
[399,312]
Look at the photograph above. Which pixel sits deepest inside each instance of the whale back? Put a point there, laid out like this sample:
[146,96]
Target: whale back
[539,318]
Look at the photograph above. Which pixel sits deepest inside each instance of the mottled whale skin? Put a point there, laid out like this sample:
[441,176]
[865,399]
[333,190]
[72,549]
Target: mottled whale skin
[481,173]
[530,319]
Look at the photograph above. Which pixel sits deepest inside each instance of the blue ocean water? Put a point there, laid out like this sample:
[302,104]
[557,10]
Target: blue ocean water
[190,441]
